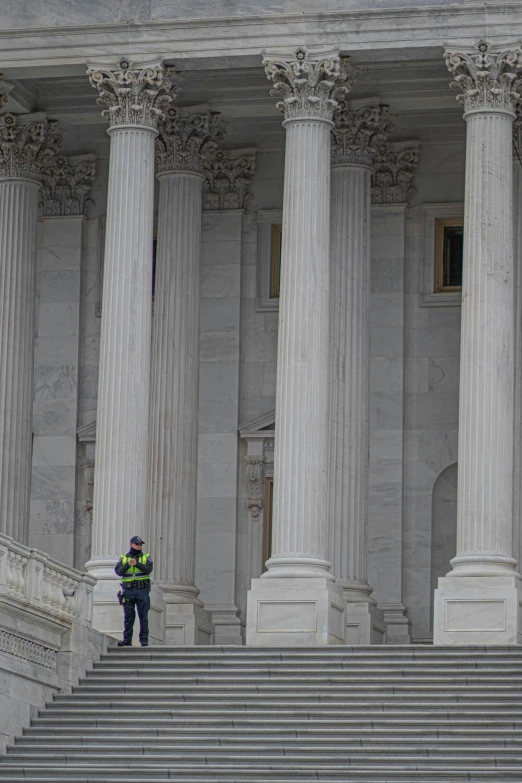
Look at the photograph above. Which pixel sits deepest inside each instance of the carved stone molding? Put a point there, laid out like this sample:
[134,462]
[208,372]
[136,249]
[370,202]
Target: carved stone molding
[311,84]
[88,476]
[358,133]
[183,143]
[29,651]
[487,81]
[27,145]
[255,474]
[135,95]
[394,169]
[227,179]
[66,184]
[517,130]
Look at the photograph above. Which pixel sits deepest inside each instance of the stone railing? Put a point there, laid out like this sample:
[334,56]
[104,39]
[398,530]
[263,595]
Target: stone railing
[31,579]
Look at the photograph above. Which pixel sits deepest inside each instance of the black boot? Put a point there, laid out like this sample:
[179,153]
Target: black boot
[124,644]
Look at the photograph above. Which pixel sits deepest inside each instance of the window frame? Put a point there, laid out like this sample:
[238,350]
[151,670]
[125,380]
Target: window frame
[440,225]
[430,297]
[266,220]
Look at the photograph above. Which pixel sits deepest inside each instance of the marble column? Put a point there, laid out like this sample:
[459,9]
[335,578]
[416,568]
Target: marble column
[27,144]
[478,601]
[134,96]
[182,145]
[356,132]
[296,601]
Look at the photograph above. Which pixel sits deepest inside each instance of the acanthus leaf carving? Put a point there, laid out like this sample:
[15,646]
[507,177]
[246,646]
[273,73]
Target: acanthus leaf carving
[393,173]
[66,184]
[134,95]
[311,84]
[255,475]
[359,133]
[487,81]
[26,148]
[184,143]
[227,179]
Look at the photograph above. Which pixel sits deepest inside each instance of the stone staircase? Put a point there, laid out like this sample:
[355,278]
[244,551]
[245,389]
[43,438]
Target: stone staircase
[253,715]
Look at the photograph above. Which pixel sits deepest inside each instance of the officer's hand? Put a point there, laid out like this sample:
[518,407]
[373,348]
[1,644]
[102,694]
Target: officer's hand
[132,561]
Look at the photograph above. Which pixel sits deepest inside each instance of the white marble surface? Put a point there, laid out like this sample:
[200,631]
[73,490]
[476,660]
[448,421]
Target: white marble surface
[218,421]
[56,374]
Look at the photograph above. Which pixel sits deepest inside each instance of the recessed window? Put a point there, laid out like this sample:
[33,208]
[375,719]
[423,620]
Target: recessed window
[267,520]
[449,243]
[275,259]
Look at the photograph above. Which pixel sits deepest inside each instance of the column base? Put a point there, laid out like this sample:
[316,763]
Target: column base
[227,625]
[477,610]
[295,612]
[188,624]
[107,614]
[398,626]
[364,624]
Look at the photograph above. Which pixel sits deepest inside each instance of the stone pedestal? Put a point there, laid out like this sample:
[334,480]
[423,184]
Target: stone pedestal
[478,601]
[296,602]
[295,612]
[120,506]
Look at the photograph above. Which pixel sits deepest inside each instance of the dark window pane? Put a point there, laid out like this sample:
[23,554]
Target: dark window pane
[452,260]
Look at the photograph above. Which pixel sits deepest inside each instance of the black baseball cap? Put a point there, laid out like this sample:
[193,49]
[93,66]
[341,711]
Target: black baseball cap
[137,540]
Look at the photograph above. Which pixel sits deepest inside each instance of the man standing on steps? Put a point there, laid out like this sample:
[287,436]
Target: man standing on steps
[134,569]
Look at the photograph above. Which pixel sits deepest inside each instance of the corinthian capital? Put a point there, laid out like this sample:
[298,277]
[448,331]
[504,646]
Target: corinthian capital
[66,184]
[311,84]
[183,143]
[27,147]
[134,94]
[487,81]
[358,133]
[227,179]
[394,169]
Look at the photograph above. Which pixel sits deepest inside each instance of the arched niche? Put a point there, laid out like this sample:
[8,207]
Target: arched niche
[443,525]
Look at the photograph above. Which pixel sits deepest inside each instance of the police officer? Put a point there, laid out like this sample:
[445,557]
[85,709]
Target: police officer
[134,569]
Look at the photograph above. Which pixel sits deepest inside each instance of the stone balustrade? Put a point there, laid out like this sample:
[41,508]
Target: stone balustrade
[30,577]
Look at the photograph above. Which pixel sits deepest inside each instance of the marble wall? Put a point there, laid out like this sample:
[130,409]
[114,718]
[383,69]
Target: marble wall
[218,419]
[55,409]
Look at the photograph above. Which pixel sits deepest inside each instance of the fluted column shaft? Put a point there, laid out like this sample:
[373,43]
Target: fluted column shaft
[301,455]
[486,415]
[349,376]
[175,381]
[18,226]
[121,474]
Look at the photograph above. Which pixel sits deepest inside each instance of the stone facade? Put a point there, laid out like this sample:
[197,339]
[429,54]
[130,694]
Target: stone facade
[169,412]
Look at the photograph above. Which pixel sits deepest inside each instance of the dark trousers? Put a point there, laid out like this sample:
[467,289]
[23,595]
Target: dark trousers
[140,600]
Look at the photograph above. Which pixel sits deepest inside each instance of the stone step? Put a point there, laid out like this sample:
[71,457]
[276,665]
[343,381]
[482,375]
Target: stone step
[334,676]
[339,745]
[252,728]
[239,761]
[355,774]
